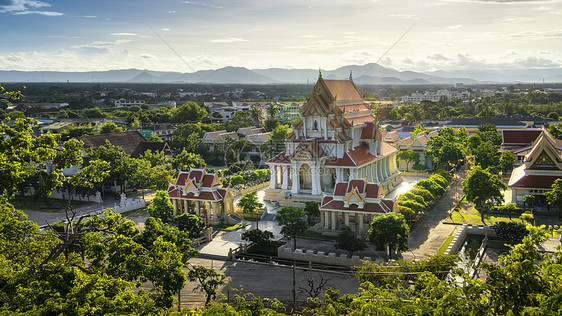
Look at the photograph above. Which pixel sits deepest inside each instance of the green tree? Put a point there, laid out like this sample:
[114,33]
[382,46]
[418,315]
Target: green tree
[292,220]
[257,237]
[270,124]
[110,127]
[161,207]
[389,230]
[186,160]
[156,158]
[554,197]
[188,112]
[256,114]
[348,241]
[272,110]
[419,129]
[239,120]
[446,148]
[483,189]
[507,160]
[312,210]
[22,155]
[190,223]
[208,281]
[250,204]
[409,156]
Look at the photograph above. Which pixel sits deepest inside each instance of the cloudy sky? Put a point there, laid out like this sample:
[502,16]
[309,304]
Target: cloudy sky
[425,35]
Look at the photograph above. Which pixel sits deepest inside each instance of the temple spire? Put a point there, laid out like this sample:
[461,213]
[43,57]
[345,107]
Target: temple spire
[351,75]
[319,73]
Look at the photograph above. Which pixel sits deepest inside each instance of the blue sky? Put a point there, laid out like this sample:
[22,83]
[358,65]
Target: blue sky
[89,35]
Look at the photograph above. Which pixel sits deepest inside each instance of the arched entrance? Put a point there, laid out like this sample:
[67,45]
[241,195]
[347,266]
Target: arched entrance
[305,175]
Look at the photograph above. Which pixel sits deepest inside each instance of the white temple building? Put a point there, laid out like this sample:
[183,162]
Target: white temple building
[336,140]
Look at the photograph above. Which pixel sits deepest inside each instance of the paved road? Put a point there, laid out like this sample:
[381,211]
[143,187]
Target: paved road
[431,232]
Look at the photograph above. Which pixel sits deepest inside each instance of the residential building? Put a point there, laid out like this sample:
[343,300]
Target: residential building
[215,139]
[127,103]
[131,142]
[290,111]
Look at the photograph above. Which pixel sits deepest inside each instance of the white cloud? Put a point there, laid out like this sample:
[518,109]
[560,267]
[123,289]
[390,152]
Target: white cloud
[22,7]
[404,16]
[228,40]
[203,4]
[124,34]
[454,27]
[165,29]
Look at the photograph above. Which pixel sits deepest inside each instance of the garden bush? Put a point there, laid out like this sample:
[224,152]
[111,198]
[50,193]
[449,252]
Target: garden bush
[413,205]
[427,196]
[411,196]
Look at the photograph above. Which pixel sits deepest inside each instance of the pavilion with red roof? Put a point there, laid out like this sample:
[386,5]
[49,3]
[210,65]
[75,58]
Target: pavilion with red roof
[357,201]
[201,193]
[335,140]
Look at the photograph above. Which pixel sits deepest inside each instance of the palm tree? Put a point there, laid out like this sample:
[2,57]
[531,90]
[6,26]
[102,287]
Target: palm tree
[273,110]
[256,114]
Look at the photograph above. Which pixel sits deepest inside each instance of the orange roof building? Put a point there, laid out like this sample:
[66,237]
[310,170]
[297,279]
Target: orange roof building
[541,166]
[336,140]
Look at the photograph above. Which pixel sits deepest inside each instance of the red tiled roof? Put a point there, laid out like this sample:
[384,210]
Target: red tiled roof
[387,149]
[361,119]
[326,199]
[351,108]
[359,184]
[197,174]
[343,89]
[361,155]
[519,137]
[535,181]
[389,204]
[368,131]
[372,190]
[182,178]
[208,180]
[282,158]
[132,143]
[340,189]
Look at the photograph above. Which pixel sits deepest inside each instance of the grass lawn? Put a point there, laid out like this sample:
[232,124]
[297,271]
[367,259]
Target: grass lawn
[475,219]
[44,204]
[225,226]
[447,242]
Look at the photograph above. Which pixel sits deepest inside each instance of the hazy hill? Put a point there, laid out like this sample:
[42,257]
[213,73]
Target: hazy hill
[362,74]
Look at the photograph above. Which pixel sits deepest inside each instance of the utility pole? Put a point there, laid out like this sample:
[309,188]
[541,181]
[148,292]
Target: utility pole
[294,286]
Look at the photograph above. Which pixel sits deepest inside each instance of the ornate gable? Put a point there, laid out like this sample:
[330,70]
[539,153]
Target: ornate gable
[190,187]
[303,152]
[353,197]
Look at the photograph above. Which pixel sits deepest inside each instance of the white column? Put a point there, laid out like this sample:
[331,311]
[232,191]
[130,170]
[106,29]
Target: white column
[273,177]
[215,211]
[296,180]
[360,220]
[326,219]
[314,182]
[209,213]
[333,220]
[285,170]
[339,174]
[184,206]
[346,218]
[197,208]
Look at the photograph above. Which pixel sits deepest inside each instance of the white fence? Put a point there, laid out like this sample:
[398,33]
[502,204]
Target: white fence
[285,252]
[63,195]
[128,205]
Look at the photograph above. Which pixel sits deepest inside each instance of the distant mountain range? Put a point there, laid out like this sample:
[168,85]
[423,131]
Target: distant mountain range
[365,74]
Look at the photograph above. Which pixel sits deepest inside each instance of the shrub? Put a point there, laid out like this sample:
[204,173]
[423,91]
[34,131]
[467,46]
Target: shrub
[411,196]
[445,174]
[439,180]
[511,232]
[527,217]
[433,187]
[419,167]
[508,208]
[407,212]
[413,205]
[427,196]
